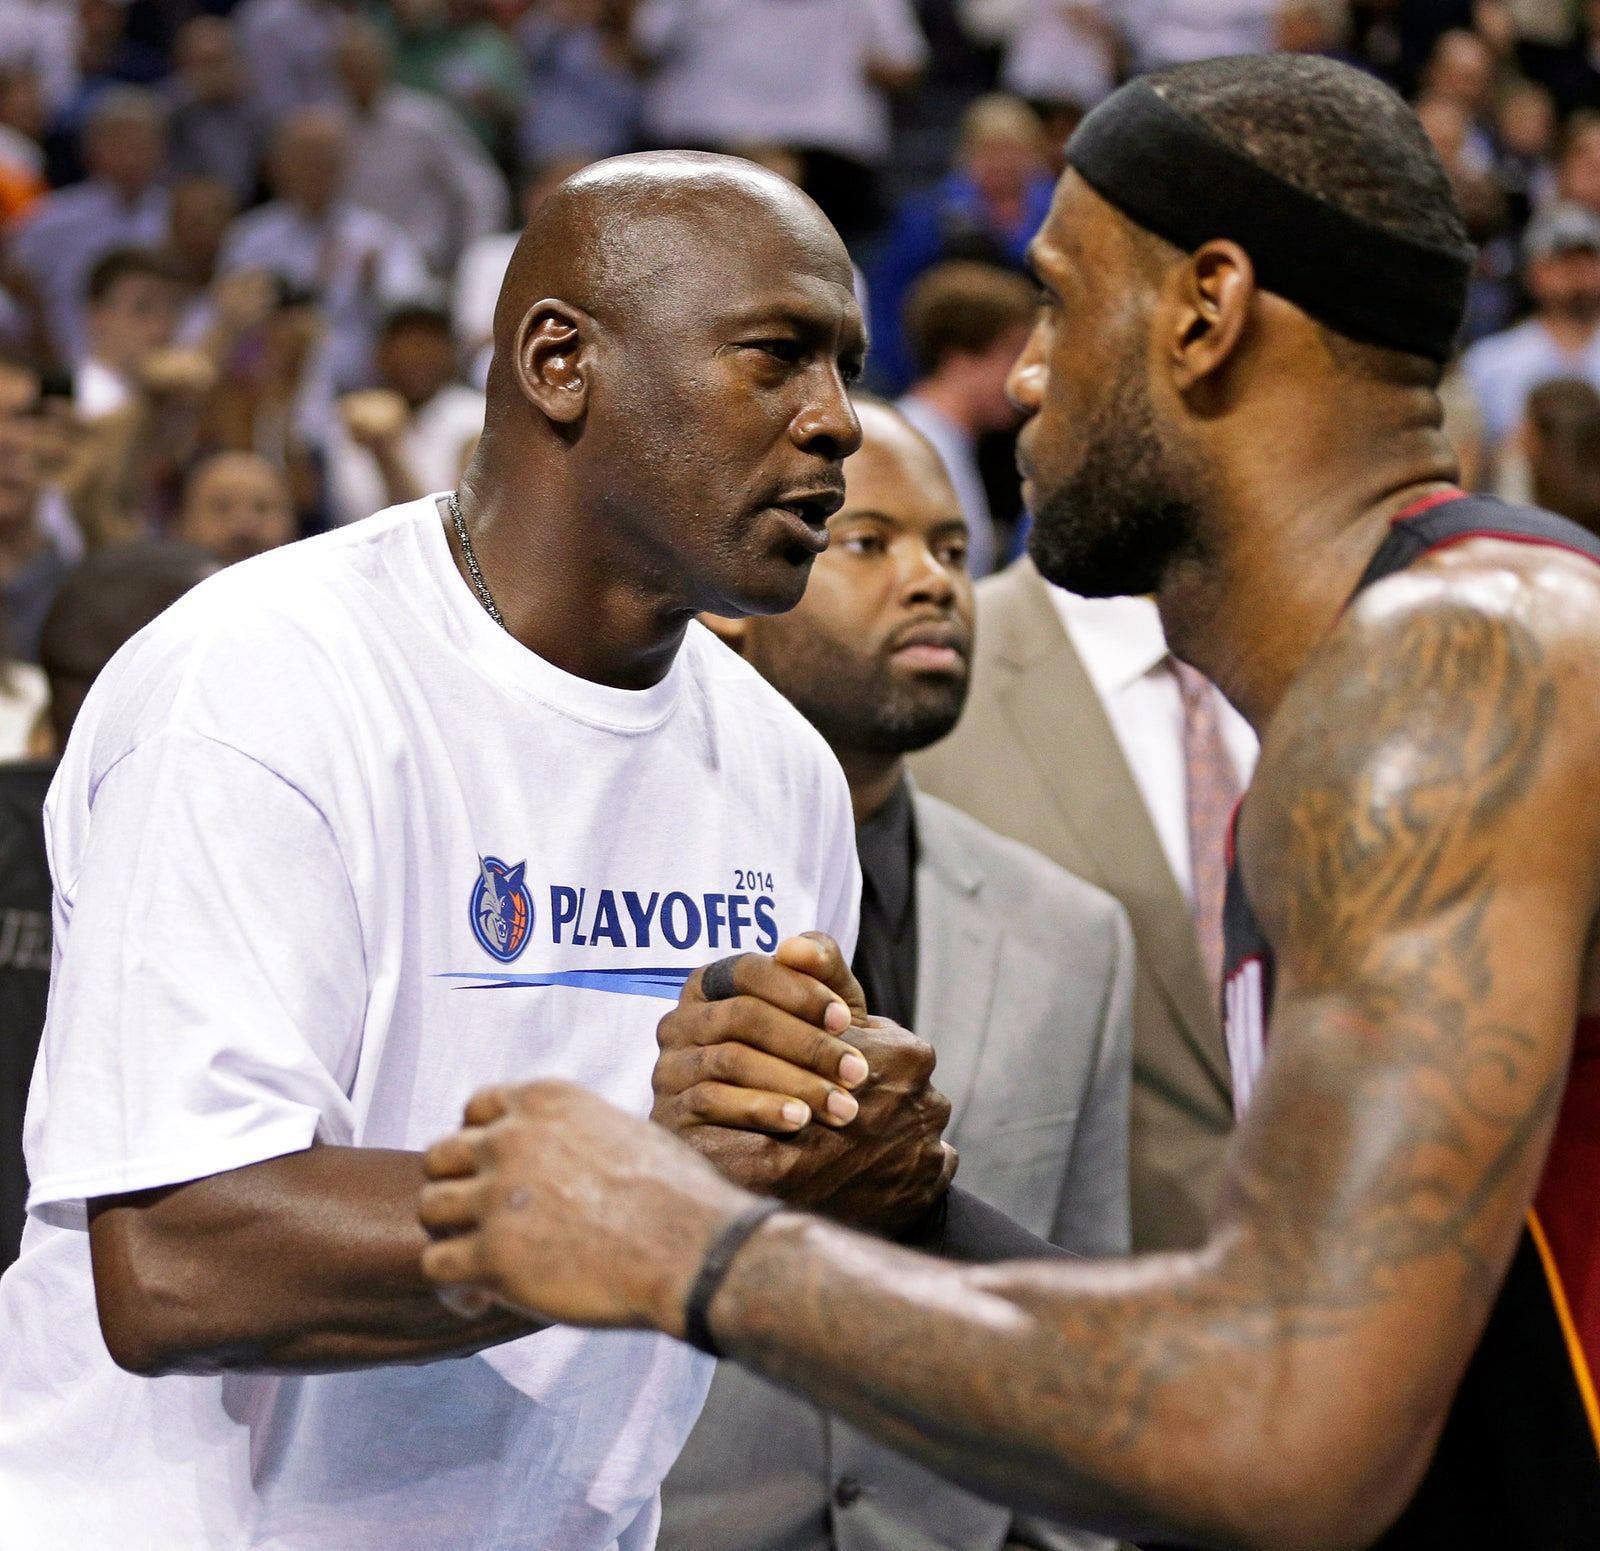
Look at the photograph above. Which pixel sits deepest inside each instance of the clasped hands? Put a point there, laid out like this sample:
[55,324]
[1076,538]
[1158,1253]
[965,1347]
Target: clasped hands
[773,1079]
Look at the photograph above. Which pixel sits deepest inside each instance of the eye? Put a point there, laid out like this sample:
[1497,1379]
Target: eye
[954,554]
[864,543]
[788,351]
[850,371]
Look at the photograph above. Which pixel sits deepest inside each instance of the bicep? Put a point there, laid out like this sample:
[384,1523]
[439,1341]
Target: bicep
[1405,852]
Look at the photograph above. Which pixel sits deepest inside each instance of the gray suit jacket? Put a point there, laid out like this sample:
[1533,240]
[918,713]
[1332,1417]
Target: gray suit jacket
[1025,984]
[1035,757]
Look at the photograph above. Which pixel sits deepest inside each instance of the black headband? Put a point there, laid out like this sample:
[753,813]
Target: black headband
[1174,177]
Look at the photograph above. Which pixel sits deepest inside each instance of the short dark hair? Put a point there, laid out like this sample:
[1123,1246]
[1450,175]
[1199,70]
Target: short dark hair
[123,263]
[108,597]
[414,315]
[1336,133]
[962,308]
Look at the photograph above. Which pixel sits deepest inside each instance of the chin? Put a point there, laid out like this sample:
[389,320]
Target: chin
[773,588]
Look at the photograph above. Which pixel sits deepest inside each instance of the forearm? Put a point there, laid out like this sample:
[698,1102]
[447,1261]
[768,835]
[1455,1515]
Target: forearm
[1130,1397]
[305,1263]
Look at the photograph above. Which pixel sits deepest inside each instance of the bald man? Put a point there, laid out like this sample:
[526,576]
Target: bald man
[455,795]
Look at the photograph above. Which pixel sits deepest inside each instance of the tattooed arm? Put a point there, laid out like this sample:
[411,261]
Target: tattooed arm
[1421,849]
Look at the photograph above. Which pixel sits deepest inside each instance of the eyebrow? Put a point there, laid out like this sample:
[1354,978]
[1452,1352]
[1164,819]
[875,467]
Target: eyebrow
[945,525]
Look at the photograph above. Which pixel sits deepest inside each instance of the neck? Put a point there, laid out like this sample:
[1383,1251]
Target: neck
[1302,540]
[565,584]
[872,779]
[940,393]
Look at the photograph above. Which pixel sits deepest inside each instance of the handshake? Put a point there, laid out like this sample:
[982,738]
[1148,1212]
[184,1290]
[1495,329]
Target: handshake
[772,1080]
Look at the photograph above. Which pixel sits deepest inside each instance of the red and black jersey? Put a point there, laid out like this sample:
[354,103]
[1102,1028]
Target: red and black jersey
[1518,1465]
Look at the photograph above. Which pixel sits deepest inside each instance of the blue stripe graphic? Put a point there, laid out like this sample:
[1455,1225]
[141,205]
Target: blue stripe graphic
[662,983]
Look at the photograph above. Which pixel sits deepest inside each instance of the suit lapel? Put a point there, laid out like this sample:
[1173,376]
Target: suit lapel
[1078,759]
[958,945]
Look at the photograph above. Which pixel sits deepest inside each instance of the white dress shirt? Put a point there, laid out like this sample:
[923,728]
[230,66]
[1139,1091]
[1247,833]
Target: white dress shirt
[1124,652]
[791,72]
[414,161]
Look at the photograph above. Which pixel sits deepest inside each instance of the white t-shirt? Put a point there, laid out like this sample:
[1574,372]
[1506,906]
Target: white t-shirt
[331,851]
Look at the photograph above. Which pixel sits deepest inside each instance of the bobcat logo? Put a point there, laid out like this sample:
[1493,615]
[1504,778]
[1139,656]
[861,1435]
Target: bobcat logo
[502,908]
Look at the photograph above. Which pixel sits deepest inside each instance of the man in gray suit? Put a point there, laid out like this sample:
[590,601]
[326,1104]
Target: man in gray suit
[1036,757]
[1018,975]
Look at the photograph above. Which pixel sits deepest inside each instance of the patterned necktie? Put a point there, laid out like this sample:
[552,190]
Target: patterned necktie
[1211,782]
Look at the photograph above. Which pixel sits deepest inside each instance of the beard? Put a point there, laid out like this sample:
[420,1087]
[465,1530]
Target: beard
[1115,525]
[860,704]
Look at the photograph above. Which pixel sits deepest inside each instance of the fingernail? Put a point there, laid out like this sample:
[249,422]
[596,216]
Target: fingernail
[853,1069]
[841,1106]
[795,1113]
[836,1018]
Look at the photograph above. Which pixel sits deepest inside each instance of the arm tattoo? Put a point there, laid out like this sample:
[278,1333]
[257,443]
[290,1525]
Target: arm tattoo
[1399,1118]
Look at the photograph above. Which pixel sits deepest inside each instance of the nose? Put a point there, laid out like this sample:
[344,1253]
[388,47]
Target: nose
[827,427]
[1025,382]
[927,578]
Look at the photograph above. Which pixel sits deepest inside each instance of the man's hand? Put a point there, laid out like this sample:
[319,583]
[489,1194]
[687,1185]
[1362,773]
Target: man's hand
[374,417]
[551,1199]
[792,1090]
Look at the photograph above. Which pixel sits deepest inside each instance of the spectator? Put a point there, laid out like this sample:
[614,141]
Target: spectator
[121,203]
[107,58]
[1062,52]
[290,44]
[986,209]
[1578,176]
[355,262]
[1561,254]
[448,48]
[108,598]
[1462,71]
[411,158]
[814,75]
[235,505]
[1174,32]
[967,324]
[217,129]
[1562,445]
[133,301]
[583,94]
[200,211]
[32,562]
[483,266]
[1525,133]
[413,434]
[40,36]
[22,169]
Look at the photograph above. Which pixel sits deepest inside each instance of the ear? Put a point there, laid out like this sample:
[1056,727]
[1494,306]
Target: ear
[1216,289]
[731,632]
[553,358]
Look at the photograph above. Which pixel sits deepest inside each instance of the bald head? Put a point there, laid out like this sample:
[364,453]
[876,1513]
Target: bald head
[630,239]
[673,346]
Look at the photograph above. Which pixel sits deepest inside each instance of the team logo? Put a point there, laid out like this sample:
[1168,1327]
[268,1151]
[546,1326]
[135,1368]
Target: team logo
[502,908]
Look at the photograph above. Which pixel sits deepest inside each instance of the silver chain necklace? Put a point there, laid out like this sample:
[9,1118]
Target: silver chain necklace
[481,587]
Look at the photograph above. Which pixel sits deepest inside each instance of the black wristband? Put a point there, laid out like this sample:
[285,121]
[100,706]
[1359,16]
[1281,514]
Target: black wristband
[714,1268]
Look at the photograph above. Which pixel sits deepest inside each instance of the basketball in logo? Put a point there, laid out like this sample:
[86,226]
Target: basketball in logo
[502,908]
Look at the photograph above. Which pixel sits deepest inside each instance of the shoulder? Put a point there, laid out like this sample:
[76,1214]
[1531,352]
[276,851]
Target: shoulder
[251,655]
[1039,898]
[1452,707]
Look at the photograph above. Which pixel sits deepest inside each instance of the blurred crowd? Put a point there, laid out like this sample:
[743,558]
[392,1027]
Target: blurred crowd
[249,249]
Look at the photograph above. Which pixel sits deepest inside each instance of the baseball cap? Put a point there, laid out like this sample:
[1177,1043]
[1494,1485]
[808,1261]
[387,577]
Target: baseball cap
[1563,228]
